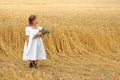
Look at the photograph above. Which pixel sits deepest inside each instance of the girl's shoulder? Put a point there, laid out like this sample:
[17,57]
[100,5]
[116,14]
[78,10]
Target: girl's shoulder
[27,28]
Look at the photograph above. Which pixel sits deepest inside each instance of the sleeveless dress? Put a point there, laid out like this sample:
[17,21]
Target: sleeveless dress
[35,49]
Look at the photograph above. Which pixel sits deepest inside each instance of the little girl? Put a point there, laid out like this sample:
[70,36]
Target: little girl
[33,48]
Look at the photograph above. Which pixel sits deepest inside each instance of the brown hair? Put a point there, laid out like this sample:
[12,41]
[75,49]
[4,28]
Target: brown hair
[31,19]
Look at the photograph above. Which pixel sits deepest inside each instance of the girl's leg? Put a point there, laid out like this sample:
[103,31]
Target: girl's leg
[30,61]
[35,63]
[31,64]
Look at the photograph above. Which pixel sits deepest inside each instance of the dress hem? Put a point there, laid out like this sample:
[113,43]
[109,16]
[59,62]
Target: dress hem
[34,59]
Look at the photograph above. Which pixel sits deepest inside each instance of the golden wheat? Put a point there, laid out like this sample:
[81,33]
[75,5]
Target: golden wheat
[84,43]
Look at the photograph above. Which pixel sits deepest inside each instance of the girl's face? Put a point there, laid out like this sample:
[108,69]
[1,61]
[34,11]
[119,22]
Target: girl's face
[35,21]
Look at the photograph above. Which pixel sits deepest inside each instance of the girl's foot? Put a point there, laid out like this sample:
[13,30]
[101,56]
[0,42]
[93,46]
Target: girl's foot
[30,65]
[35,64]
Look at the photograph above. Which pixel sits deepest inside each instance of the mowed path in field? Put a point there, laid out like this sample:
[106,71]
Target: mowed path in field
[84,44]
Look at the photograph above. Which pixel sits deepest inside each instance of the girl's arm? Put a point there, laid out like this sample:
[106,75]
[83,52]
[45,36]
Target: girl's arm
[39,34]
[27,40]
[27,30]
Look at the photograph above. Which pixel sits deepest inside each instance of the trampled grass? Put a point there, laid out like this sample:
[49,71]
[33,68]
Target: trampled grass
[84,43]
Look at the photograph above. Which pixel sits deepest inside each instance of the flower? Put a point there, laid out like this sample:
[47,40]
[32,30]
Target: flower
[43,31]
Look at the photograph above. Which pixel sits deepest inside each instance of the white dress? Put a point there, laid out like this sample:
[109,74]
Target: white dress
[35,49]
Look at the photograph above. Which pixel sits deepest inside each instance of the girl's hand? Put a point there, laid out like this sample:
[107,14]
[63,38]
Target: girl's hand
[39,34]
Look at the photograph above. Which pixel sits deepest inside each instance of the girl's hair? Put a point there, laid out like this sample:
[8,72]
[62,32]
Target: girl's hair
[31,19]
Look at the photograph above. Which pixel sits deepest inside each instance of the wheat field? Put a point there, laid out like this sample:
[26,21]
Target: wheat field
[84,43]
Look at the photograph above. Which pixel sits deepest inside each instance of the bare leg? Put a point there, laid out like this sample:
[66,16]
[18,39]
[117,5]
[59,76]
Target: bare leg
[31,64]
[30,61]
[35,63]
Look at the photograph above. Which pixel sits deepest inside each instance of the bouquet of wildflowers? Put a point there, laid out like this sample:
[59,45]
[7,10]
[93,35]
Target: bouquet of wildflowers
[43,31]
